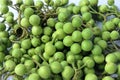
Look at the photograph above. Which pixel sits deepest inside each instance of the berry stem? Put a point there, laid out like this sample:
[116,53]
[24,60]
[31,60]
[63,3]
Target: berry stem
[114,45]
[42,57]
[95,12]
[76,75]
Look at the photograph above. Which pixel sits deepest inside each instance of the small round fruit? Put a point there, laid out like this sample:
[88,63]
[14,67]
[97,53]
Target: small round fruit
[50,49]
[39,4]
[35,41]
[34,20]
[2,27]
[25,22]
[90,63]
[93,2]
[29,2]
[64,63]
[87,45]
[97,50]
[86,16]
[117,53]
[20,69]
[67,41]
[9,19]
[96,31]
[110,2]
[56,67]
[102,43]
[111,58]
[46,56]
[103,8]
[87,33]
[99,58]
[75,48]
[28,12]
[34,76]
[77,36]
[89,70]
[76,9]
[3,2]
[110,68]
[59,56]
[44,72]
[68,28]
[64,2]
[118,70]
[71,59]
[76,22]
[26,44]
[108,78]
[59,25]
[36,30]
[4,9]
[109,25]
[8,65]
[116,21]
[106,35]
[60,34]
[84,9]
[47,30]
[91,76]
[84,3]
[51,22]
[114,35]
[68,73]
[59,45]
[45,38]
[17,53]
[62,16]
[29,64]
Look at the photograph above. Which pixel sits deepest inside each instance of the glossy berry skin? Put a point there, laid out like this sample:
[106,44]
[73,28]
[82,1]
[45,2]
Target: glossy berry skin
[44,72]
[86,45]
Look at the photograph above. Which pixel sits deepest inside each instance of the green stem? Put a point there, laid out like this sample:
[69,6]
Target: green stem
[54,39]
[114,45]
[33,60]
[109,14]
[104,73]
[73,65]
[104,17]
[76,75]
[42,57]
[37,62]
[51,14]
[93,9]
[33,6]
[14,41]
[95,12]
[82,66]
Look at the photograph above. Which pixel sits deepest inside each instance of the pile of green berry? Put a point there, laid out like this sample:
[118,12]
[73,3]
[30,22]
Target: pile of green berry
[54,40]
